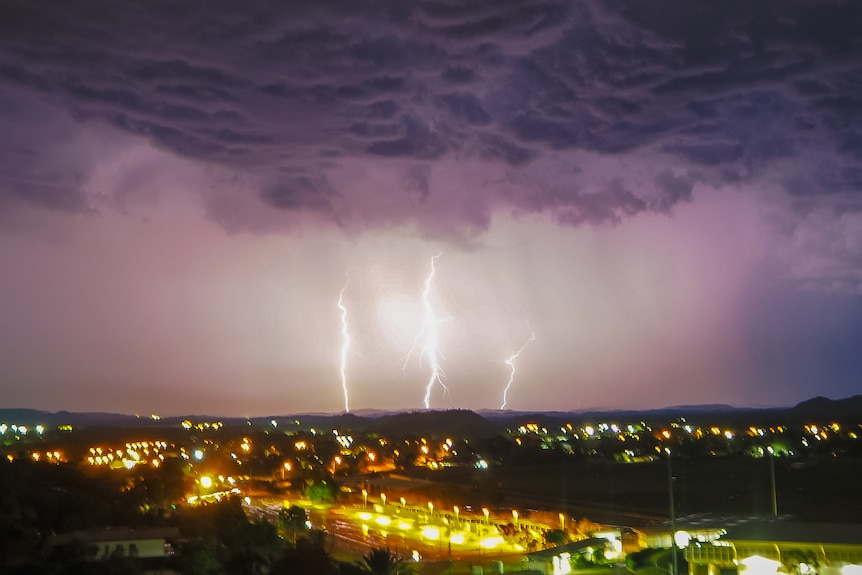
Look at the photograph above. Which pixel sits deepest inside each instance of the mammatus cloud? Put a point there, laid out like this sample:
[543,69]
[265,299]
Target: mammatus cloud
[461,111]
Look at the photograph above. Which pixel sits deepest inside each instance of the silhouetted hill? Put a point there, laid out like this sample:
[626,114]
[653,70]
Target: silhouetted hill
[459,423]
[466,423]
[820,407]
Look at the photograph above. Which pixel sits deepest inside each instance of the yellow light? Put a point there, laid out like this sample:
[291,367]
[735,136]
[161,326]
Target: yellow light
[429,532]
[383,520]
[206,482]
[457,538]
[403,525]
[491,542]
[757,565]
[365,516]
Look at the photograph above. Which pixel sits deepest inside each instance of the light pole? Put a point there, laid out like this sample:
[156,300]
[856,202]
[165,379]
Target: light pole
[672,513]
[772,480]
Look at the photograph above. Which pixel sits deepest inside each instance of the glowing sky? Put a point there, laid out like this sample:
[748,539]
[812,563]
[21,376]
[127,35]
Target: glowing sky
[668,193]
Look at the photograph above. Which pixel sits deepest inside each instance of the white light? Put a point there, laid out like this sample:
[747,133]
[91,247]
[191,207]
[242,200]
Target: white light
[511,363]
[681,538]
[757,565]
[345,344]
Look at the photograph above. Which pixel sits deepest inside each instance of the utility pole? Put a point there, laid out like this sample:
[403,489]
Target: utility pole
[674,568]
[772,481]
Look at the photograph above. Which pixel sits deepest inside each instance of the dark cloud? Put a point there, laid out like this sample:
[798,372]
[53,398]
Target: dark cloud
[300,193]
[418,178]
[465,107]
[457,75]
[735,89]
[419,140]
[607,206]
[672,190]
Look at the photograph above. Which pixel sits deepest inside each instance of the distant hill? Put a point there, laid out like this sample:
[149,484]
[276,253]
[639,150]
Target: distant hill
[819,407]
[463,422]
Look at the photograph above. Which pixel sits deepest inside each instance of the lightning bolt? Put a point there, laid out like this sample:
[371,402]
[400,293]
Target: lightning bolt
[511,363]
[345,343]
[430,347]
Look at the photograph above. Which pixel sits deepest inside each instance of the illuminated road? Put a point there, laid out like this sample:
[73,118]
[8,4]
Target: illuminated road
[435,535]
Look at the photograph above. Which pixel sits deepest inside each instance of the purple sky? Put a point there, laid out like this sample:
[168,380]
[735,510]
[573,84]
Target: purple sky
[669,193]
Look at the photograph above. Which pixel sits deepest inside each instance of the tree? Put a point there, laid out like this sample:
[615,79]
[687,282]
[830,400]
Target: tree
[556,537]
[199,557]
[292,520]
[800,562]
[321,490]
[305,558]
[384,562]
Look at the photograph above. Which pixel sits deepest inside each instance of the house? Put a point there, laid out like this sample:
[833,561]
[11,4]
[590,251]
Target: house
[142,543]
[770,547]
[557,560]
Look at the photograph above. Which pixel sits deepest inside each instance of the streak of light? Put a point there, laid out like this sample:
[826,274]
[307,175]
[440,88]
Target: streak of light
[511,363]
[345,343]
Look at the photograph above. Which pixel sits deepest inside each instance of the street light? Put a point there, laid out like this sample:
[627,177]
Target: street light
[383,498]
[364,498]
[674,570]
[456,510]
[562,522]
[403,502]
[772,480]
[515,517]
[487,514]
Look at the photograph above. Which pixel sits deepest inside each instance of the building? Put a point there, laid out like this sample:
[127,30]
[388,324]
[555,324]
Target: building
[557,560]
[772,547]
[141,543]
